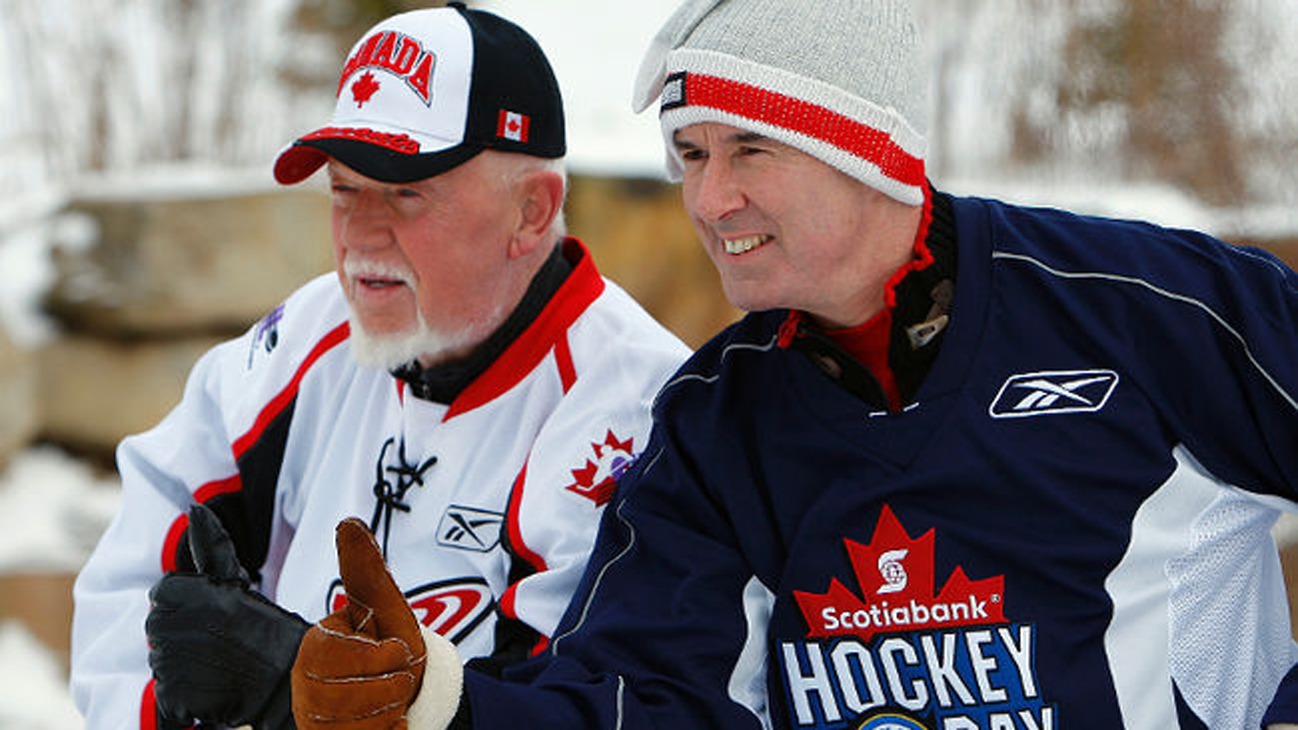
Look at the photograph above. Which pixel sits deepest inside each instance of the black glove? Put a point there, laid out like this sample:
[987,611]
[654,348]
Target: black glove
[220,652]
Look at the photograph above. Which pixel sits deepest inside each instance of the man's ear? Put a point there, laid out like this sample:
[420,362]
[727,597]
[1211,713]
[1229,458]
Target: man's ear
[539,195]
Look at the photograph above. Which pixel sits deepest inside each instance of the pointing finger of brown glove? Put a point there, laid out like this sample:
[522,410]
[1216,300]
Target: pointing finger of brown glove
[366,578]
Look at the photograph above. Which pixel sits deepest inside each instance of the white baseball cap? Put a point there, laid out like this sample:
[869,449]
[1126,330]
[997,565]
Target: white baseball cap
[424,91]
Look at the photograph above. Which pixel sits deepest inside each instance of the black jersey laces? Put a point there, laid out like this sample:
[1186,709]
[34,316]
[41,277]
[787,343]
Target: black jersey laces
[389,494]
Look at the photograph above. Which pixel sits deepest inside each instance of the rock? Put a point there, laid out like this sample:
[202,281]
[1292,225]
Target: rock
[93,392]
[190,263]
[18,410]
[41,603]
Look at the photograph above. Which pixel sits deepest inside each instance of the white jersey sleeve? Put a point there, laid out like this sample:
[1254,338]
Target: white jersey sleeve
[191,455]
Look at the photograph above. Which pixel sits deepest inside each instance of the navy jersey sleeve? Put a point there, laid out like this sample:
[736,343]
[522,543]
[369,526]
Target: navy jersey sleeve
[1226,352]
[655,637]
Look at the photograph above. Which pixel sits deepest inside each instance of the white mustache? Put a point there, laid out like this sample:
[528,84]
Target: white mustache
[357,268]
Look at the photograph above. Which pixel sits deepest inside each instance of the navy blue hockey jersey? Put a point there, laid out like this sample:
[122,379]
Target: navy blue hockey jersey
[1067,527]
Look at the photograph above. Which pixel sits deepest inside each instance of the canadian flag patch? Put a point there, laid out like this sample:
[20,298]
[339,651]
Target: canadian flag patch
[512,125]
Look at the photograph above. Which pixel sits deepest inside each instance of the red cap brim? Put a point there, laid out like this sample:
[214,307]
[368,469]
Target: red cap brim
[298,162]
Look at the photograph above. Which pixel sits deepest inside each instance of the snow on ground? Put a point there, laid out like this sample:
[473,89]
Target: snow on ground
[33,692]
[52,511]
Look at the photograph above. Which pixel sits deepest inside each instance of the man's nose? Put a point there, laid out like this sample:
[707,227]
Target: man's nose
[363,223]
[716,193]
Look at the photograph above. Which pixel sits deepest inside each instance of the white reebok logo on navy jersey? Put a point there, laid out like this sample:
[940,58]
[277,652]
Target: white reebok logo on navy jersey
[1059,391]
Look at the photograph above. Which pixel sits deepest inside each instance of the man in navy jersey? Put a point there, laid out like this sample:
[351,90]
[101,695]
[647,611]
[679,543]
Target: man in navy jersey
[467,384]
[965,465]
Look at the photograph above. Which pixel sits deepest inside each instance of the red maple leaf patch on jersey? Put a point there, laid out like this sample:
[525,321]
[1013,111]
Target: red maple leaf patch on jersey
[895,576]
[364,88]
[598,478]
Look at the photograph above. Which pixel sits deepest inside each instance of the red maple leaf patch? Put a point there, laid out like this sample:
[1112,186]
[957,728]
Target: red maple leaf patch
[895,576]
[598,478]
[364,88]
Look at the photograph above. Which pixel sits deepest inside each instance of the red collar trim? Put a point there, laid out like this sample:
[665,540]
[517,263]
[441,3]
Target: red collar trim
[789,329]
[922,258]
[583,286]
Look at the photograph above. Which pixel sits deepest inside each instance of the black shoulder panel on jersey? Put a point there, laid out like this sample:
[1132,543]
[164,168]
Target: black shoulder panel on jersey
[247,512]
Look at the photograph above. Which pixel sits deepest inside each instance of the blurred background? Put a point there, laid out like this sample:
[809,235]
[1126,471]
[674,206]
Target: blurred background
[139,223]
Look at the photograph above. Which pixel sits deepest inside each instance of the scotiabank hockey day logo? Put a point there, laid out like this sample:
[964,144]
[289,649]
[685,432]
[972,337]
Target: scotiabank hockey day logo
[901,656]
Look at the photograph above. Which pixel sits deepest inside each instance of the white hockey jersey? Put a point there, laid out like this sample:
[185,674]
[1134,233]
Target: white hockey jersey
[486,507]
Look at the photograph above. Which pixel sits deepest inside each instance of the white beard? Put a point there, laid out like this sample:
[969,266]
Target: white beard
[391,350]
[388,350]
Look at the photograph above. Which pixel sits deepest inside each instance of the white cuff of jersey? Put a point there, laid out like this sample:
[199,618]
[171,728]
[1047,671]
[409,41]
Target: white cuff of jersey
[439,697]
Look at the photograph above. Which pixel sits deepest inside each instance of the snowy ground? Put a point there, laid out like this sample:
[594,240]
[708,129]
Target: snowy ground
[52,510]
[33,691]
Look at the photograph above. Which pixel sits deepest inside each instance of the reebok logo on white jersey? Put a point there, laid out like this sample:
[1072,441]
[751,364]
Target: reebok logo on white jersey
[1048,392]
[468,528]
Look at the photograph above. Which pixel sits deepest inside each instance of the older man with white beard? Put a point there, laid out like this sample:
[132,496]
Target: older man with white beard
[468,384]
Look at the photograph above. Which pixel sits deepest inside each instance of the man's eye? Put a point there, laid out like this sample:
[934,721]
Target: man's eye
[693,155]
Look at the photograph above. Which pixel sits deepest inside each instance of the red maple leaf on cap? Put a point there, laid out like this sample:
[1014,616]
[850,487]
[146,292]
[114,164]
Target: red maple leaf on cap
[364,88]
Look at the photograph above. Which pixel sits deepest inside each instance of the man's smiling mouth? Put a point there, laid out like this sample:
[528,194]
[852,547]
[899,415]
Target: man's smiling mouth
[745,244]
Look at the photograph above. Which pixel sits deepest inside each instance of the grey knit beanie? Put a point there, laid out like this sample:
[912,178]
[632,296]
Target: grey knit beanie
[842,80]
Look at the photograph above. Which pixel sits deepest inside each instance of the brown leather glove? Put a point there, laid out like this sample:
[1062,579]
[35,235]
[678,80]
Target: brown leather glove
[362,665]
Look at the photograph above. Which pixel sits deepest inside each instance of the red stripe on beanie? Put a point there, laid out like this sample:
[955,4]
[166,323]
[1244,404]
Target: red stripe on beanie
[803,117]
